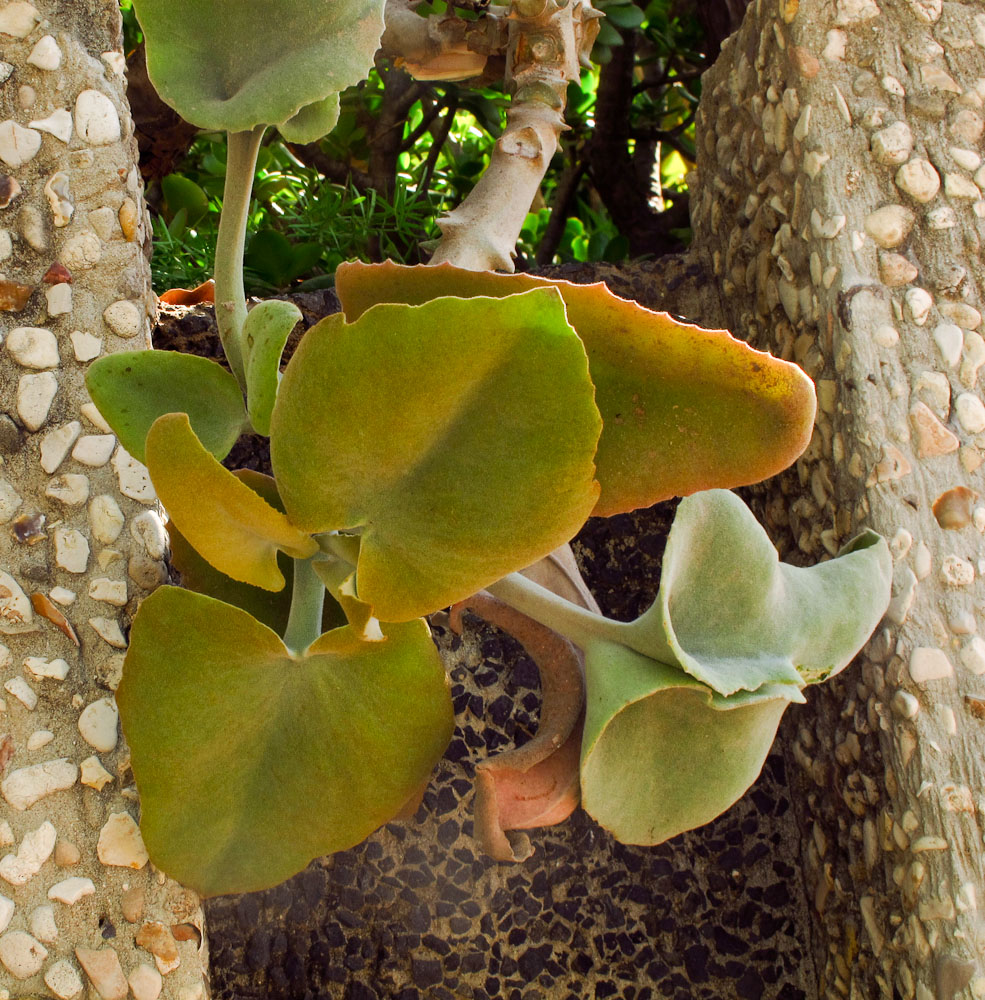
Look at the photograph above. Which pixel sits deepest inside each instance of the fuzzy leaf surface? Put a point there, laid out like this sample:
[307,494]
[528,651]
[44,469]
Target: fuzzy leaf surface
[661,752]
[230,66]
[230,525]
[684,409]
[467,455]
[250,761]
[736,618]
[133,388]
[265,332]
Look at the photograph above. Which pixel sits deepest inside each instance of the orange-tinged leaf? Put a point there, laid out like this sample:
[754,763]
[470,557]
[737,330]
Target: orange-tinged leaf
[232,527]
[684,409]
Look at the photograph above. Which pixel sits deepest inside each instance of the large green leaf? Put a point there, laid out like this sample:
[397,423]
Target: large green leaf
[250,761]
[133,388]
[466,455]
[229,65]
[684,409]
[265,332]
[661,752]
[736,618]
[229,524]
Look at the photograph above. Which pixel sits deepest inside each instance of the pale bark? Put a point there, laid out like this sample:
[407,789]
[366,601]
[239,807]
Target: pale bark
[806,127]
[81,535]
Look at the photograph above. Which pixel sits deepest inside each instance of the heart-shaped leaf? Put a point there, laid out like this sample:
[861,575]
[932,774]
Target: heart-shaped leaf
[270,608]
[466,455]
[133,388]
[684,409]
[265,332]
[736,618]
[661,752]
[251,761]
[236,530]
[231,67]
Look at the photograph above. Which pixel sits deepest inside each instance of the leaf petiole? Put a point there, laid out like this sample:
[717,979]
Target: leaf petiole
[307,602]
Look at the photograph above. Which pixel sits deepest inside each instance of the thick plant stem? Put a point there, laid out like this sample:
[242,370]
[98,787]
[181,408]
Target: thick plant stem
[567,619]
[307,603]
[230,296]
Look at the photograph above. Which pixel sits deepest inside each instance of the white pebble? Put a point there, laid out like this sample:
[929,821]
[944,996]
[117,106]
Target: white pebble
[971,412]
[59,299]
[6,912]
[46,54]
[892,145]
[56,443]
[6,834]
[959,186]
[91,412]
[86,346]
[62,596]
[109,591]
[62,979]
[58,124]
[108,629]
[918,304]
[905,705]
[41,923]
[120,843]
[889,226]
[123,318]
[97,121]
[106,519]
[94,450]
[18,19]
[70,489]
[82,252]
[9,501]
[35,394]
[949,338]
[70,890]
[133,477]
[71,550]
[145,982]
[957,572]
[929,664]
[942,218]
[27,785]
[40,738]
[20,689]
[98,724]
[918,179]
[94,775]
[106,223]
[41,667]
[148,529]
[18,145]
[22,955]
[16,613]
[33,347]
[973,656]
[35,849]
[966,158]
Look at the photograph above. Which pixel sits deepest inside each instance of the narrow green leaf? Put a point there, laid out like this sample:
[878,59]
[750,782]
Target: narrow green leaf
[133,388]
[250,761]
[684,409]
[265,332]
[229,524]
[231,67]
[467,455]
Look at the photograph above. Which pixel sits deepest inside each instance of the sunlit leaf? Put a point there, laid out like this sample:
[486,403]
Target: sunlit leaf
[313,121]
[133,388]
[232,67]
[265,332]
[684,409]
[251,761]
[232,527]
[457,437]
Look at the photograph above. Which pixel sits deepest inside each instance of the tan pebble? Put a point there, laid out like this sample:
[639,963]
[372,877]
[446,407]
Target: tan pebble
[918,305]
[893,465]
[957,572]
[974,358]
[66,854]
[896,270]
[939,79]
[966,316]
[932,437]
[120,843]
[18,19]
[128,216]
[146,982]
[158,940]
[919,180]
[971,412]
[132,903]
[103,968]
[953,508]
[890,225]
[804,61]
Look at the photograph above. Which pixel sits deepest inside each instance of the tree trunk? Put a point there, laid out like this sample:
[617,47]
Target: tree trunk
[82,540]
[839,204]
